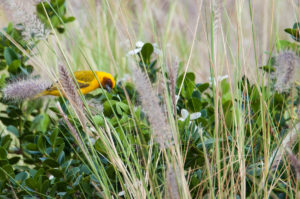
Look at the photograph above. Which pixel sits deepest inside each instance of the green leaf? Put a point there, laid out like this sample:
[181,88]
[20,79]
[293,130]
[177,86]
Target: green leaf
[61,186]
[2,175]
[196,101]
[285,45]
[146,52]
[225,87]
[53,137]
[13,130]
[73,172]
[55,21]
[9,170]
[61,158]
[60,29]
[294,33]
[108,107]
[41,144]
[14,66]
[27,70]
[14,160]
[2,65]
[77,181]
[6,141]
[100,147]
[31,147]
[124,106]
[118,109]
[69,19]
[56,173]
[189,76]
[188,84]
[20,177]
[267,68]
[202,87]
[40,123]
[45,186]
[3,154]
[9,55]
[99,120]
[31,183]
[51,163]
[296,25]
[2,80]
[58,3]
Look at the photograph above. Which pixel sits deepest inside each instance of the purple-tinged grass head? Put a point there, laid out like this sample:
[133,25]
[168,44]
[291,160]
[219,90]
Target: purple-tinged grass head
[25,89]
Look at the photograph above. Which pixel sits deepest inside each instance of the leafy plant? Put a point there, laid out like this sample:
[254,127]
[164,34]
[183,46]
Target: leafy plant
[48,151]
[53,13]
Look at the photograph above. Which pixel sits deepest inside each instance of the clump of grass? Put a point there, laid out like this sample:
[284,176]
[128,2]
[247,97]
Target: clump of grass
[216,166]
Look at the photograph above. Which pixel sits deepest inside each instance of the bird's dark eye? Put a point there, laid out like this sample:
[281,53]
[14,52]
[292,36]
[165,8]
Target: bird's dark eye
[107,84]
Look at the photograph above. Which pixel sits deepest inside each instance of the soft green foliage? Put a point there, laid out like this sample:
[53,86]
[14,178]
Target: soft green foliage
[55,10]
[145,62]
[12,58]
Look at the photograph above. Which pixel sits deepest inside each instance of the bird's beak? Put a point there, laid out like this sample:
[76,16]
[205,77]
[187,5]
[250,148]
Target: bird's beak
[108,88]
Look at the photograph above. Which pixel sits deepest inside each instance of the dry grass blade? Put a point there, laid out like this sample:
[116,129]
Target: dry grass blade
[97,188]
[13,191]
[73,131]
[173,70]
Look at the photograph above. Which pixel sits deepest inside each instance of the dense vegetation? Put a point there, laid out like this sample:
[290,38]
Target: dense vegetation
[163,135]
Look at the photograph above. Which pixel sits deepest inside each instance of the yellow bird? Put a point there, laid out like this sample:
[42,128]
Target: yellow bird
[87,82]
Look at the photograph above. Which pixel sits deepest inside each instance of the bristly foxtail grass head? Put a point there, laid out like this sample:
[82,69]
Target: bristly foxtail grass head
[23,15]
[172,182]
[25,89]
[70,90]
[294,162]
[150,102]
[287,142]
[69,87]
[287,70]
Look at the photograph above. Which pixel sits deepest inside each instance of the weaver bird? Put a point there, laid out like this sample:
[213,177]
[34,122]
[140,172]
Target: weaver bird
[86,81]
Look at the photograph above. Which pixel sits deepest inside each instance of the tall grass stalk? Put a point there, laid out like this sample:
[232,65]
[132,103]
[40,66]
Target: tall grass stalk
[101,43]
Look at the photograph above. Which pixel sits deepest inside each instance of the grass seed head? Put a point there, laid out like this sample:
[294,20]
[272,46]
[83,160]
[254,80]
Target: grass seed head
[294,162]
[285,74]
[25,89]
[150,102]
[172,183]
[23,15]
[69,87]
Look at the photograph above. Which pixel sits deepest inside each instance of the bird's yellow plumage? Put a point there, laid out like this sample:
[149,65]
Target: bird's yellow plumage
[87,82]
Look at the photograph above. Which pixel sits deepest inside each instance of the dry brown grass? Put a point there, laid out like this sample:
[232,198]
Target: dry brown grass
[172,23]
